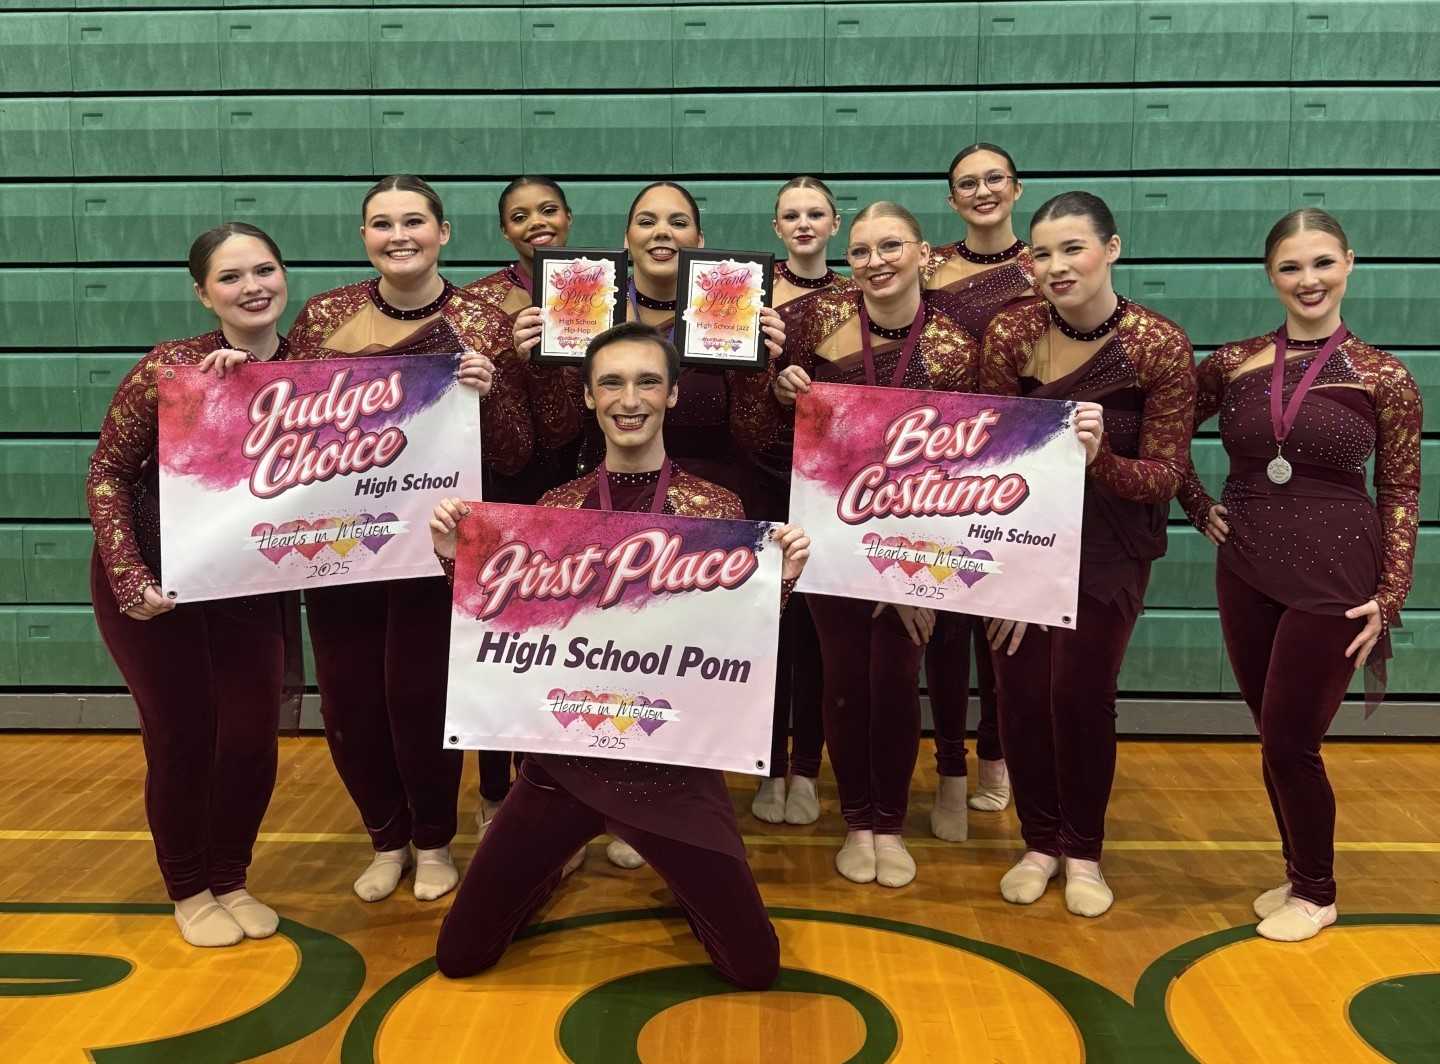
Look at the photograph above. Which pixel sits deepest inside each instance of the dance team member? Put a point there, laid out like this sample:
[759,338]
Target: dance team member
[207,677]
[1057,687]
[881,332]
[973,279]
[720,414]
[805,219]
[679,819]
[533,214]
[1311,573]
[381,648]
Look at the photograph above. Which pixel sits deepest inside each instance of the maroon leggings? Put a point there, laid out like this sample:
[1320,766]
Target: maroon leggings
[1057,726]
[947,678]
[799,683]
[495,773]
[871,709]
[1293,672]
[381,659]
[517,868]
[207,681]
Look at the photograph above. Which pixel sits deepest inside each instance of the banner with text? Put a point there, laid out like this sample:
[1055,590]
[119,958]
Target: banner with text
[290,475]
[969,503]
[639,637]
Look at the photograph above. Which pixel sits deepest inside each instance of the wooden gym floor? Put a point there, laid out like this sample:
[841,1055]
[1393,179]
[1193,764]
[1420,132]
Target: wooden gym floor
[91,966]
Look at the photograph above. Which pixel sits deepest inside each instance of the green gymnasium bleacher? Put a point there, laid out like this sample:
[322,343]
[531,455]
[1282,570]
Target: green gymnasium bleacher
[126,126]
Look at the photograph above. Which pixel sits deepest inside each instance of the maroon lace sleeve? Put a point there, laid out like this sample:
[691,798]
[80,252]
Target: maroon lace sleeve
[507,437]
[557,403]
[1008,340]
[1211,377]
[1398,414]
[1165,371]
[128,439]
[755,413]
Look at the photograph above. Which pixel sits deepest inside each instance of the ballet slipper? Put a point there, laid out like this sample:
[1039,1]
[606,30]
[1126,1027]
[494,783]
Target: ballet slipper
[769,801]
[204,922]
[1296,921]
[894,867]
[623,855]
[856,859]
[255,918]
[948,817]
[1028,878]
[1086,892]
[1271,901]
[484,816]
[802,800]
[435,874]
[382,875]
[992,791]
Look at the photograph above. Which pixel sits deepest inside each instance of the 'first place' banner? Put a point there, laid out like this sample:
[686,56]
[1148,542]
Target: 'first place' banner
[291,475]
[632,636]
[968,503]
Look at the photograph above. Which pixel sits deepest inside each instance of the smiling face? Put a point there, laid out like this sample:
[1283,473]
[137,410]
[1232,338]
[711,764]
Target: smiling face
[878,278]
[661,225]
[1072,262]
[534,217]
[244,285]
[402,237]
[629,390]
[1309,271]
[805,221]
[986,206]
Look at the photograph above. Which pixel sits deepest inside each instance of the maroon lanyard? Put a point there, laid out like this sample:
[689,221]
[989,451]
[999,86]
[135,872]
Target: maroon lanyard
[517,275]
[912,341]
[1282,419]
[657,502]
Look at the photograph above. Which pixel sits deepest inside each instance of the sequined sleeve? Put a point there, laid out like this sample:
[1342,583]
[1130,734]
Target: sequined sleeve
[507,437]
[951,354]
[755,415]
[1397,480]
[557,403]
[1165,371]
[1006,348]
[128,439]
[1210,379]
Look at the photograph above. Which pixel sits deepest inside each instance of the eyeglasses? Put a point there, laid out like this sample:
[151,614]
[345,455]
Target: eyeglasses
[968,186]
[888,250]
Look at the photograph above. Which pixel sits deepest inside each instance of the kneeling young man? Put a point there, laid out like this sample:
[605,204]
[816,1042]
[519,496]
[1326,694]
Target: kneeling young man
[678,819]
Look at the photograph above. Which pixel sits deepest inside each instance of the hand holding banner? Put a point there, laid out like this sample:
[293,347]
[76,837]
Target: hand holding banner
[290,475]
[968,503]
[632,636]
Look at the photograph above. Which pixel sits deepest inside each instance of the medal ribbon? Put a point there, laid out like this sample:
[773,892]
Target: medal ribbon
[912,341]
[1282,420]
[657,502]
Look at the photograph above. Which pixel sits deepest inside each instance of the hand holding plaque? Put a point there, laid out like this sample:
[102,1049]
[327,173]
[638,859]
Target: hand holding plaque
[578,293]
[721,295]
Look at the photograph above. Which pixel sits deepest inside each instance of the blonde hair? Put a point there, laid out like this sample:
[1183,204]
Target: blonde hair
[1296,221]
[806,181]
[887,209]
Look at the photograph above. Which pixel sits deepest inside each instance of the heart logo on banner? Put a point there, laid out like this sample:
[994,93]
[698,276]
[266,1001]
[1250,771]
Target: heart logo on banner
[566,717]
[649,724]
[972,577]
[592,719]
[343,547]
[622,724]
[265,528]
[871,540]
[909,568]
[312,549]
[941,573]
[374,543]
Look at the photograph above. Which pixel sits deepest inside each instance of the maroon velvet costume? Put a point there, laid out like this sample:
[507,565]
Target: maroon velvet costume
[1057,692]
[381,649]
[871,701]
[207,677]
[1300,554]
[678,818]
[973,301]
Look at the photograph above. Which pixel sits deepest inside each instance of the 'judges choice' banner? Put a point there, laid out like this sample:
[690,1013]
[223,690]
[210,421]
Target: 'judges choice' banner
[632,636]
[969,503]
[305,474]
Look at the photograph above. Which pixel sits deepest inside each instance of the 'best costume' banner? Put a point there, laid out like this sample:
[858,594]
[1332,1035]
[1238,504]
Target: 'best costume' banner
[633,636]
[291,475]
[970,503]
